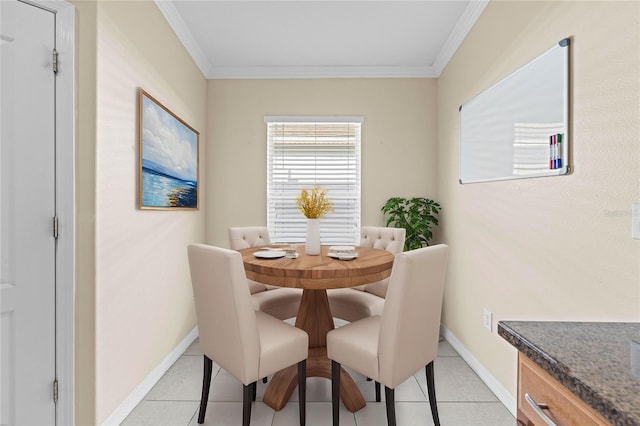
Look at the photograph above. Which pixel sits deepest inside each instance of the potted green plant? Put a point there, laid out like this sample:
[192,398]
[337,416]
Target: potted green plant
[416,215]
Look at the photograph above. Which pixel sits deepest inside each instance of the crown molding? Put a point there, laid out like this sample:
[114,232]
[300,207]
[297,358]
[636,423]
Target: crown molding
[321,72]
[463,26]
[175,21]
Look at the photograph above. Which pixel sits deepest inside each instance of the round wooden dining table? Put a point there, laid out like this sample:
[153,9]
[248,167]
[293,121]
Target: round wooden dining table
[314,275]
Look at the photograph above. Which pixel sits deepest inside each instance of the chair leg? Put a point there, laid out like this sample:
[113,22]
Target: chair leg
[389,396]
[431,390]
[335,392]
[377,384]
[302,391]
[206,385]
[247,395]
[254,387]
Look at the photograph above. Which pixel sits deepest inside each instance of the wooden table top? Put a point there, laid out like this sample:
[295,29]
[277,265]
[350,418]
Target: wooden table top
[319,272]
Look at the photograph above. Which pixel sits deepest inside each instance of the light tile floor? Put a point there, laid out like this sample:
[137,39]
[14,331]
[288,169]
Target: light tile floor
[463,399]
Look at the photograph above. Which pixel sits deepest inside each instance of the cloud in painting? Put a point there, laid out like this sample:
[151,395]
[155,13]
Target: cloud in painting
[168,143]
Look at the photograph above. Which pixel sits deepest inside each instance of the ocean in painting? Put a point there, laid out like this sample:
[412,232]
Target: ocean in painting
[160,189]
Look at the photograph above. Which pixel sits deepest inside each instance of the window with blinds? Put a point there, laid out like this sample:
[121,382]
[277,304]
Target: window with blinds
[308,151]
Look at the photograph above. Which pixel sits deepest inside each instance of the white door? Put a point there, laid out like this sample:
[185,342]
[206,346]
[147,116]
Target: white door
[27,209]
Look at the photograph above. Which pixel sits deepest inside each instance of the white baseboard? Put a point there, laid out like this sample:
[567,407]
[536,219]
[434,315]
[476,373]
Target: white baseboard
[494,385]
[145,386]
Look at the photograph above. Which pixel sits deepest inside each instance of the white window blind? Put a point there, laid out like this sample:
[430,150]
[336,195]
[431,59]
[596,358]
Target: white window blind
[308,151]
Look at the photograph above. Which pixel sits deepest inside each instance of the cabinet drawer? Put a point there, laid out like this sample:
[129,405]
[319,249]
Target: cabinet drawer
[564,408]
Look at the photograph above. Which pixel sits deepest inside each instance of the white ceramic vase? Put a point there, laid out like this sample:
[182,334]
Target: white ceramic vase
[312,246]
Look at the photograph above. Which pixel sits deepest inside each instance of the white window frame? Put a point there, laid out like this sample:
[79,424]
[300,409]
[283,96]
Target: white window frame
[286,224]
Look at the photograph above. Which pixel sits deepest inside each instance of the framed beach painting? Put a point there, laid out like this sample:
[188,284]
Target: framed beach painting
[168,158]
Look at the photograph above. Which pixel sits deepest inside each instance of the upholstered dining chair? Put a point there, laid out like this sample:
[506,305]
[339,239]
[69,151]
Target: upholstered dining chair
[280,302]
[250,236]
[246,343]
[391,347]
[352,304]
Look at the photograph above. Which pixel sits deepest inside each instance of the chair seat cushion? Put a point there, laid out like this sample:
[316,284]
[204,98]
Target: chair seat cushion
[355,345]
[352,305]
[281,345]
[256,287]
[281,303]
[378,288]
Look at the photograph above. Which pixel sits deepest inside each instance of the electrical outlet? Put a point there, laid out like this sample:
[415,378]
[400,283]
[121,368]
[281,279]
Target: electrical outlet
[487,319]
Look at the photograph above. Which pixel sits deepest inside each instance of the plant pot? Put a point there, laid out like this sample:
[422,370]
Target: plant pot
[312,246]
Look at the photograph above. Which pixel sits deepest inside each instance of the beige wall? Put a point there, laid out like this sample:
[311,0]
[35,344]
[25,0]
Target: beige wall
[554,248]
[134,299]
[398,141]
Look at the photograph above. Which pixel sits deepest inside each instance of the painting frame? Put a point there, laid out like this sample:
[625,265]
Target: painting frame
[168,158]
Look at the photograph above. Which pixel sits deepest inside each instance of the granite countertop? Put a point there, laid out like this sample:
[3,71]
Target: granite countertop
[591,359]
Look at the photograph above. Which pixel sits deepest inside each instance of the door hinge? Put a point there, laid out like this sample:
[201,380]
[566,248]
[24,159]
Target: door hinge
[55,391]
[55,227]
[55,61]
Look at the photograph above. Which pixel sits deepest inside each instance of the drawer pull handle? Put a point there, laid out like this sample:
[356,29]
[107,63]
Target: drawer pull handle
[538,408]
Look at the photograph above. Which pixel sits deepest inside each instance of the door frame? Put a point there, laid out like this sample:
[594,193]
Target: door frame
[65,204]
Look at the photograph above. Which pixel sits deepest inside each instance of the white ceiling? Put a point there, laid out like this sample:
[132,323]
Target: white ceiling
[321,38]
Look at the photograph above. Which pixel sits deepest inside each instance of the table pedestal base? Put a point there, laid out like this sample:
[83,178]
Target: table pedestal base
[284,382]
[314,317]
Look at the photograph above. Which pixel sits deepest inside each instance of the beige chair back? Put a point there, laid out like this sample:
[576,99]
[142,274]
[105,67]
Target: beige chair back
[379,237]
[226,317]
[248,236]
[389,239]
[410,325]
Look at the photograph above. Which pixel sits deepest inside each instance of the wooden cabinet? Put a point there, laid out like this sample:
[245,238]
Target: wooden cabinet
[563,408]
